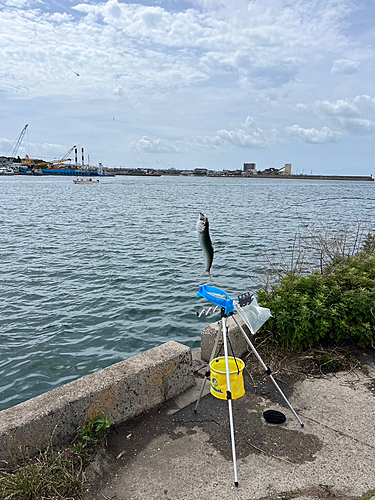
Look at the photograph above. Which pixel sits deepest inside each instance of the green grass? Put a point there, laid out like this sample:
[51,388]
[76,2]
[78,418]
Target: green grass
[51,475]
[367,495]
[48,476]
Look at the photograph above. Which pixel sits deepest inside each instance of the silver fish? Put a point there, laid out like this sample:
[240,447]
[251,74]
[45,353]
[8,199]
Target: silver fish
[205,241]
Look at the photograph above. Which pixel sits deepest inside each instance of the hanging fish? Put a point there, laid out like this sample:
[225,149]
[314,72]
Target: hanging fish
[205,241]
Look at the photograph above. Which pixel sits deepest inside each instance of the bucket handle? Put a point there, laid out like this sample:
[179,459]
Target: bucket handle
[231,348]
[234,356]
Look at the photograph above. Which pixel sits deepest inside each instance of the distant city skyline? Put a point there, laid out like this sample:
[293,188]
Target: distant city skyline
[192,84]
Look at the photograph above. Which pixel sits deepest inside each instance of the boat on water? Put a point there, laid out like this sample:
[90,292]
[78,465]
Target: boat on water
[85,181]
[6,171]
[27,170]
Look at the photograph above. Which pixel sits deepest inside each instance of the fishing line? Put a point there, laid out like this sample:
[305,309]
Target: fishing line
[340,432]
[100,99]
[82,82]
[330,199]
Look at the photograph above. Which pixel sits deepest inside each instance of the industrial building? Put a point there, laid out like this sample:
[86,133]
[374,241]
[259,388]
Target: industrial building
[251,169]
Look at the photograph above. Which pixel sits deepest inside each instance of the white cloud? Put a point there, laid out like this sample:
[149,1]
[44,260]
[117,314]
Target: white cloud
[342,107]
[348,107]
[5,145]
[33,149]
[246,135]
[345,66]
[58,17]
[357,126]
[301,106]
[352,115]
[16,3]
[55,48]
[365,103]
[263,45]
[313,136]
[147,145]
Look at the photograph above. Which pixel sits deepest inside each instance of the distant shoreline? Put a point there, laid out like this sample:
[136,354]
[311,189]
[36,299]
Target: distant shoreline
[238,176]
[198,172]
[319,177]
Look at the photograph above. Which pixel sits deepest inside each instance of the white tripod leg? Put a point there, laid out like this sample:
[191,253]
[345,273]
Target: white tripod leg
[229,397]
[268,371]
[207,374]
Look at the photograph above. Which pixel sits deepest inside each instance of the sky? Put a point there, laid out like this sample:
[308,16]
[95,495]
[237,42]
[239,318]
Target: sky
[192,84]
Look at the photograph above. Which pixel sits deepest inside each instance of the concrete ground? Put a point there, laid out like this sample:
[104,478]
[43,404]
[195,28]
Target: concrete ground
[173,453]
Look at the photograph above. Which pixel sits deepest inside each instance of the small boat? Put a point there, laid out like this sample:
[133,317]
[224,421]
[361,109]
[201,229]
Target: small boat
[6,171]
[85,181]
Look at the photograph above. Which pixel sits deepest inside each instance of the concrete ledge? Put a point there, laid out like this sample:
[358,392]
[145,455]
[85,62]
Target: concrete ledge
[237,339]
[120,391]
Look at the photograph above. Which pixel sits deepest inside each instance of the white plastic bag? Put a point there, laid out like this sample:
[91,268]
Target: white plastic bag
[254,315]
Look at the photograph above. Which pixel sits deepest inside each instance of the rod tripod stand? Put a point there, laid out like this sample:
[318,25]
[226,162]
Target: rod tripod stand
[227,305]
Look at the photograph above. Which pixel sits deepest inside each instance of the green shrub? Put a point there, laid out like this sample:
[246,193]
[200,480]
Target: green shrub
[336,305]
[91,433]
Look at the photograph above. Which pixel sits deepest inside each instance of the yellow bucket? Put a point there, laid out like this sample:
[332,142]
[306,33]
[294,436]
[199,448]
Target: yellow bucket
[219,379]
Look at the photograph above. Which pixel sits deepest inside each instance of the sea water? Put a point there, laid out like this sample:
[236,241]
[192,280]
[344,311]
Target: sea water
[91,275]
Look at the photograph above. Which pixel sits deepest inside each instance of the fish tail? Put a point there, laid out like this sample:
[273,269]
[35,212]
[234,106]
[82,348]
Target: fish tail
[205,273]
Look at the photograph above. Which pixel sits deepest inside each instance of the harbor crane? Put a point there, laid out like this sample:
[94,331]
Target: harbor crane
[53,163]
[64,158]
[17,144]
[28,161]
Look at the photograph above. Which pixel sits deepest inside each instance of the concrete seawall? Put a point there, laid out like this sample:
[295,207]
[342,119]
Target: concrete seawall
[317,177]
[120,391]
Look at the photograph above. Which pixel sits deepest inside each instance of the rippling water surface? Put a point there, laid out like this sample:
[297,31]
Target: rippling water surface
[90,275]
